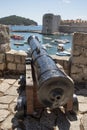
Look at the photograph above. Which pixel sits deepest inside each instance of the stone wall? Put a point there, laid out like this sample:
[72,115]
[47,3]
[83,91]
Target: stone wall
[4,45]
[72,29]
[4,38]
[15,61]
[79,58]
[10,60]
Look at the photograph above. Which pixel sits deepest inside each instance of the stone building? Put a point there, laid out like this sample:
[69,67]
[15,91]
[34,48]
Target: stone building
[51,23]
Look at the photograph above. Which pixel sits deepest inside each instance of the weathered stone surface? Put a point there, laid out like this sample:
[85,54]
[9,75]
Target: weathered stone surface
[79,56]
[12,91]
[83,124]
[11,66]
[2,66]
[21,53]
[10,81]
[6,99]
[80,39]
[12,107]
[83,107]
[23,59]
[16,84]
[76,69]
[15,100]
[79,60]
[4,38]
[7,124]
[3,106]
[2,57]
[17,59]
[82,99]
[4,86]
[3,114]
[20,67]
[9,57]
[75,125]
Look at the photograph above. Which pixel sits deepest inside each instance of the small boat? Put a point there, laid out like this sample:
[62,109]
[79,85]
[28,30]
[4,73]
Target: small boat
[60,47]
[47,38]
[63,53]
[19,44]
[17,37]
[61,41]
[47,45]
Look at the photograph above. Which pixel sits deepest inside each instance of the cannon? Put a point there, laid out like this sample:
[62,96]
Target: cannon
[51,87]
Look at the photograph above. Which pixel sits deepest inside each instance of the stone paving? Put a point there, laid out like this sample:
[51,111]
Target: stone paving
[55,120]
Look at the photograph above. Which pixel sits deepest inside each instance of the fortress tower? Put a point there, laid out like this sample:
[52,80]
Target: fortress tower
[51,24]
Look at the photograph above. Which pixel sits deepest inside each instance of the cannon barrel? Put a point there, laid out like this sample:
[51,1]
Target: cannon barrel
[54,87]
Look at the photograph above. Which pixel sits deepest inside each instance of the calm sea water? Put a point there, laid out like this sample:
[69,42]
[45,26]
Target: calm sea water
[47,40]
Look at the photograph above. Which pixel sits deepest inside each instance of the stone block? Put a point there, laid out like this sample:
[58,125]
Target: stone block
[66,64]
[66,71]
[76,69]
[11,66]
[5,47]
[79,60]
[85,70]
[21,67]
[84,122]
[6,99]
[9,57]
[76,50]
[4,86]
[2,66]
[17,59]
[3,106]
[75,77]
[23,59]
[9,81]
[79,77]
[7,124]
[2,57]
[3,114]
[80,39]
[11,91]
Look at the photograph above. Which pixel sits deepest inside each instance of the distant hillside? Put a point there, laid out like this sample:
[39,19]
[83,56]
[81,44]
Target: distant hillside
[16,20]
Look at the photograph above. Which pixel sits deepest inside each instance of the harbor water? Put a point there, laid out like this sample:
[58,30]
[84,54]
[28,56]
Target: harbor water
[48,41]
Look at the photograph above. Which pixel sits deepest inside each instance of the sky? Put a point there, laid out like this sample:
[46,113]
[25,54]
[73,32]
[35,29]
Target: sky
[35,9]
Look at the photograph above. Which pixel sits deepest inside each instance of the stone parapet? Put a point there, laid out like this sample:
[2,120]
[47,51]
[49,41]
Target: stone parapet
[79,57]
[4,38]
[15,61]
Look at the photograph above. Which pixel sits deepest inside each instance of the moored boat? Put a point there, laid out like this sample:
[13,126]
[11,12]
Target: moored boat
[17,37]
[19,44]
[63,53]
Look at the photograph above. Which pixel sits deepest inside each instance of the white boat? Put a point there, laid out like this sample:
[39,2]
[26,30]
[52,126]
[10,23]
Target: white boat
[61,41]
[63,53]
[47,38]
[60,47]
[47,45]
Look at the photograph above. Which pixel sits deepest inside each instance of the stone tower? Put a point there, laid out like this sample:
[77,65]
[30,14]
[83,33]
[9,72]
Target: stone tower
[51,24]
